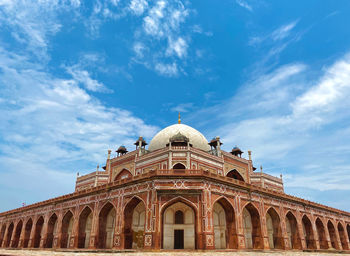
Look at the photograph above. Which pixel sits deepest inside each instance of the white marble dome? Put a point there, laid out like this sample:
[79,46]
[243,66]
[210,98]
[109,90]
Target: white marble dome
[162,138]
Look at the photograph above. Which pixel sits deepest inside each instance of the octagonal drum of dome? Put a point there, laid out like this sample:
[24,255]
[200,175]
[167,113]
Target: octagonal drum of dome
[161,139]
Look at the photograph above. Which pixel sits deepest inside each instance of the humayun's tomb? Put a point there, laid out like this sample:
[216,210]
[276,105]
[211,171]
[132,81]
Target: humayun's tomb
[180,192]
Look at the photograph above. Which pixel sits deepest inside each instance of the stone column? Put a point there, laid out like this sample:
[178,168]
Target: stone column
[206,236]
[73,242]
[239,225]
[44,230]
[347,242]
[4,241]
[3,238]
[93,243]
[32,233]
[338,238]
[21,237]
[118,240]
[57,237]
[314,230]
[264,235]
[149,225]
[13,233]
[284,234]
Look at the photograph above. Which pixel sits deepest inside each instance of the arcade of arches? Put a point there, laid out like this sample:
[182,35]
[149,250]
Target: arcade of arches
[179,228]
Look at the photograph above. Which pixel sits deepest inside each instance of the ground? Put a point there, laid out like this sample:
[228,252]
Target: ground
[164,253]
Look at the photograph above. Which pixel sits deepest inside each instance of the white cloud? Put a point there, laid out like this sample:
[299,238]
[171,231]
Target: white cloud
[138,6]
[167,69]
[244,4]
[83,77]
[183,107]
[283,31]
[178,47]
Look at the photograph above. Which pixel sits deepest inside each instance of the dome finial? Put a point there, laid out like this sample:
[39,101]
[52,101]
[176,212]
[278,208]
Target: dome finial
[179,121]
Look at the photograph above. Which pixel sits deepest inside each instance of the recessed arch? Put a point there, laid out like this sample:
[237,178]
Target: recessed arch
[134,223]
[51,230]
[66,229]
[178,236]
[332,235]
[348,230]
[17,234]
[293,231]
[234,174]
[2,233]
[179,166]
[106,226]
[84,227]
[321,234]
[308,233]
[252,227]
[224,222]
[9,234]
[342,236]
[27,231]
[123,174]
[38,231]
[274,230]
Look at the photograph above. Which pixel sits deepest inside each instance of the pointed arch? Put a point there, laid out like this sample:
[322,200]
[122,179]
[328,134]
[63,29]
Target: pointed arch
[134,223]
[123,174]
[321,234]
[342,236]
[66,229]
[224,221]
[293,231]
[2,233]
[27,231]
[169,235]
[38,231]
[234,174]
[106,226]
[84,227]
[308,233]
[252,227]
[9,235]
[51,230]
[274,230]
[17,234]
[332,235]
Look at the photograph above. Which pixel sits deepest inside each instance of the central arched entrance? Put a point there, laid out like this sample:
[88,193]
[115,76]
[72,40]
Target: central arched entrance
[106,225]
[293,232]
[274,231]
[66,229]
[85,224]
[252,227]
[308,233]
[224,223]
[28,229]
[178,227]
[51,230]
[134,224]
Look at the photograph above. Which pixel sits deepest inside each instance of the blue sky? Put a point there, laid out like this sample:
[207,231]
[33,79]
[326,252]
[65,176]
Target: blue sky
[80,77]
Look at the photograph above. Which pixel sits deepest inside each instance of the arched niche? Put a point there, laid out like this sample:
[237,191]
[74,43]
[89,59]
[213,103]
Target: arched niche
[134,224]
[176,235]
[342,237]
[106,225]
[84,228]
[308,233]
[321,234]
[51,230]
[332,235]
[38,231]
[2,234]
[27,231]
[179,166]
[123,174]
[66,229]
[252,227]
[9,234]
[224,223]
[274,231]
[293,232]
[234,174]
[17,234]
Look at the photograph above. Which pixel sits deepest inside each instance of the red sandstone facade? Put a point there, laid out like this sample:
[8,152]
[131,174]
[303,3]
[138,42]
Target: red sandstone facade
[218,198]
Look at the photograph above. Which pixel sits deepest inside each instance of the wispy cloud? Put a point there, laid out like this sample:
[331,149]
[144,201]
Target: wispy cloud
[283,31]
[244,4]
[183,107]
[167,69]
